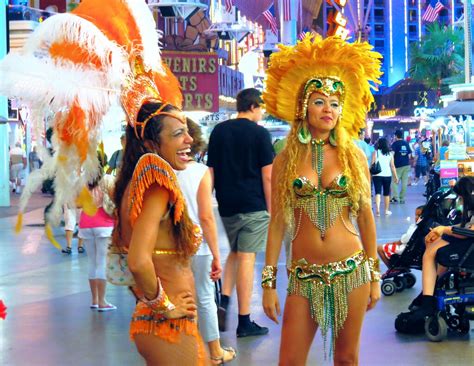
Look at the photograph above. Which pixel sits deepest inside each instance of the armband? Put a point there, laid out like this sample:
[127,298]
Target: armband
[161,303]
[269,277]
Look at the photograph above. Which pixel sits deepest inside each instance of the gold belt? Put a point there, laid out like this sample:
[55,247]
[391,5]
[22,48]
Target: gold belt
[326,273]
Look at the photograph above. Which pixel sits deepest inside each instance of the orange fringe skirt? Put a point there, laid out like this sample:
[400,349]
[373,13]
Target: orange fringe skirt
[144,321]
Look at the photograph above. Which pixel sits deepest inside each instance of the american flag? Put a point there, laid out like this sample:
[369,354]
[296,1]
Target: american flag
[432,11]
[228,5]
[302,34]
[286,10]
[269,15]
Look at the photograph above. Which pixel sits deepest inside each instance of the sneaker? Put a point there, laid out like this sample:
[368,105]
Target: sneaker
[108,307]
[394,200]
[402,201]
[253,329]
[222,318]
[66,250]
[388,213]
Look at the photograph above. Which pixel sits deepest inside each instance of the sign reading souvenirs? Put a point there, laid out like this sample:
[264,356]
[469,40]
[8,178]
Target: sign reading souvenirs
[198,75]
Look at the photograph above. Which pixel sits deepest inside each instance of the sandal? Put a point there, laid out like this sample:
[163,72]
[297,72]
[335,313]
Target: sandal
[80,249]
[66,250]
[221,360]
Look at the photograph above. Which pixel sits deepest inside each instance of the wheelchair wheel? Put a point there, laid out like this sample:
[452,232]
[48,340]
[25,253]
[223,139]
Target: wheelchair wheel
[400,283]
[388,287]
[410,279]
[436,328]
[459,324]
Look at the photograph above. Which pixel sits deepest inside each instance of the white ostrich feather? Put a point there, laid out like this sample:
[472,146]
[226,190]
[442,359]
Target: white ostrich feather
[148,32]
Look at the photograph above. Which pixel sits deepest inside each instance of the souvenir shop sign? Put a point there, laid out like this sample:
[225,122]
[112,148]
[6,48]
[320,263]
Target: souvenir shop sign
[198,75]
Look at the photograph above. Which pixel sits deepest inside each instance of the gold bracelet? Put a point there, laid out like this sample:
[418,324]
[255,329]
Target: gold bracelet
[161,303]
[374,268]
[269,277]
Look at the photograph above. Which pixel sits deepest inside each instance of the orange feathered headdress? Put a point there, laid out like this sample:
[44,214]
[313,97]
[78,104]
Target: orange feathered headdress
[72,69]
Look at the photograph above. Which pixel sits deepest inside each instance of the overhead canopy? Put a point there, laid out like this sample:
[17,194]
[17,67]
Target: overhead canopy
[456,108]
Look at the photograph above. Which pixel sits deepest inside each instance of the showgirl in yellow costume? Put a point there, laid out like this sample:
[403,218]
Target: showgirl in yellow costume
[320,182]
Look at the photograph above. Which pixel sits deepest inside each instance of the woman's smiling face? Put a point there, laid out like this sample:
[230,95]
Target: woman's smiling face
[323,112]
[175,142]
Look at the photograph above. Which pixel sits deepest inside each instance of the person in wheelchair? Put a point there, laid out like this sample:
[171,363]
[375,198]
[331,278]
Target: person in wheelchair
[440,237]
[385,251]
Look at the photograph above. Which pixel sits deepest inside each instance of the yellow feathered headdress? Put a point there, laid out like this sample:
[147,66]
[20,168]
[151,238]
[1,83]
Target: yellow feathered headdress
[73,68]
[329,62]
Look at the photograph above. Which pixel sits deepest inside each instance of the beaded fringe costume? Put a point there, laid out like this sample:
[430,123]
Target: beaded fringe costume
[326,287]
[145,321]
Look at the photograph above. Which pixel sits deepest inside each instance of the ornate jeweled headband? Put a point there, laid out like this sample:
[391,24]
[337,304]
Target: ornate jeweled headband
[328,86]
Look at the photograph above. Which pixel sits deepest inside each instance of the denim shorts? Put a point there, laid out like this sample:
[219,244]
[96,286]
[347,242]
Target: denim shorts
[247,232]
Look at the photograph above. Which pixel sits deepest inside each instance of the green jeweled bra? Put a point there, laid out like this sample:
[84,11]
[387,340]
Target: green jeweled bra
[322,205]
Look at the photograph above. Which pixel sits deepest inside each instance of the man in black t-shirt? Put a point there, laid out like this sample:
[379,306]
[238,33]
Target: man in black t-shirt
[240,157]
[401,157]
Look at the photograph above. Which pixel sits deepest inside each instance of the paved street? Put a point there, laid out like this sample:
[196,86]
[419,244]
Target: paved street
[49,321]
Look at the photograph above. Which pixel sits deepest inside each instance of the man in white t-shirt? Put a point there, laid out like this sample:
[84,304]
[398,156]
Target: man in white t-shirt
[17,164]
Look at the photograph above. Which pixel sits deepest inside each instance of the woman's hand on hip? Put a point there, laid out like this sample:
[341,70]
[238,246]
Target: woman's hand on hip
[374,295]
[185,306]
[271,304]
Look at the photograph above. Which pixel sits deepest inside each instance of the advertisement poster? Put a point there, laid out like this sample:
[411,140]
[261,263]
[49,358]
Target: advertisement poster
[448,171]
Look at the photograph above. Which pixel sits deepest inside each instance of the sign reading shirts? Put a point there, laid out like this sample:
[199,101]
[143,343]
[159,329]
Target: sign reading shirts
[198,74]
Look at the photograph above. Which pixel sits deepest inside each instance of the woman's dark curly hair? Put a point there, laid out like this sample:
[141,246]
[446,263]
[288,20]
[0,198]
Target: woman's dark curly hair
[465,188]
[135,148]
[382,145]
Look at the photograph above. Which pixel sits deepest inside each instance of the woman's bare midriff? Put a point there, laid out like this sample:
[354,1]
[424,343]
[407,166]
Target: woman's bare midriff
[337,244]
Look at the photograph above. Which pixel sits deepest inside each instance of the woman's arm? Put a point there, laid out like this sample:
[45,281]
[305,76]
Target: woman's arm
[144,236]
[366,224]
[393,169]
[208,222]
[276,233]
[276,229]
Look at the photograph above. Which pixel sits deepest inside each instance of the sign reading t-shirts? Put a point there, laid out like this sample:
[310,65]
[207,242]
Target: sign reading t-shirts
[198,74]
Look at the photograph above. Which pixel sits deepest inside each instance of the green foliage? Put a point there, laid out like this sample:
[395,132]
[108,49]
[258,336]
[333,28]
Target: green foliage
[72,6]
[438,59]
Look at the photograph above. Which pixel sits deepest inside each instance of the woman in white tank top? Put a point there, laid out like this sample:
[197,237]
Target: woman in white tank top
[384,156]
[196,184]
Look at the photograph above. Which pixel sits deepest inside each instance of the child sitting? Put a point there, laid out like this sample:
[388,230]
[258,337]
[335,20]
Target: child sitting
[385,251]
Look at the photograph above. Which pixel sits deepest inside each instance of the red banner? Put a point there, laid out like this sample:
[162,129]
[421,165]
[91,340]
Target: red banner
[198,74]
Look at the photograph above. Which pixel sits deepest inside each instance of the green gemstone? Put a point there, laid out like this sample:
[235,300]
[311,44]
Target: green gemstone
[298,183]
[342,182]
[319,83]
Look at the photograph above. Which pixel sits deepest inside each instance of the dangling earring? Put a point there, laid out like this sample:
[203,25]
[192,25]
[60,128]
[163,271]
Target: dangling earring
[332,137]
[304,136]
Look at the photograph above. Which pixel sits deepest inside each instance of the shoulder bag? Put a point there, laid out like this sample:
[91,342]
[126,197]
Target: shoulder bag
[117,271]
[375,168]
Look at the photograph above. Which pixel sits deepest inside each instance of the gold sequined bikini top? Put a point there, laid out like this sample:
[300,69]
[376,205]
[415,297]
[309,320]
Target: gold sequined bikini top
[322,206]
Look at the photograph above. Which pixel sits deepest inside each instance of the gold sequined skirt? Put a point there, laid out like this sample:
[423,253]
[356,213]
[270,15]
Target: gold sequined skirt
[326,286]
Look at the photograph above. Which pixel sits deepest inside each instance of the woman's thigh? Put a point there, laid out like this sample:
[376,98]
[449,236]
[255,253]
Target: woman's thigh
[298,331]
[377,184]
[386,182]
[156,351]
[348,340]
